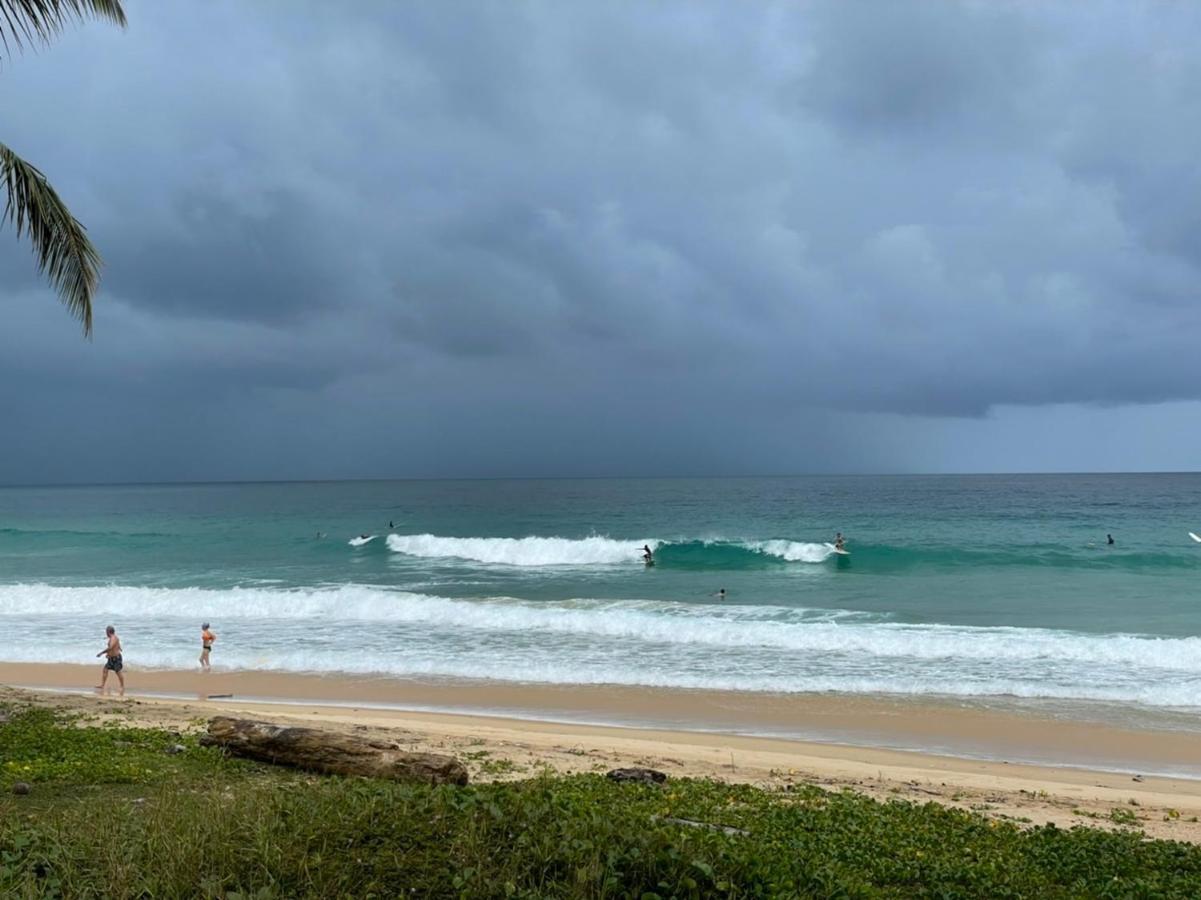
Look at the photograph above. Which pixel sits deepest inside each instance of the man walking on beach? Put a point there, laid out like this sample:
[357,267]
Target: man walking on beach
[113,662]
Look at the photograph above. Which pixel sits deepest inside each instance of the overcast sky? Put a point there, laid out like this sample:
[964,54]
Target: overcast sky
[440,239]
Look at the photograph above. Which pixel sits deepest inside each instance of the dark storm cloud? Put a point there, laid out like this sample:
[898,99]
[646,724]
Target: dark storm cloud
[624,237]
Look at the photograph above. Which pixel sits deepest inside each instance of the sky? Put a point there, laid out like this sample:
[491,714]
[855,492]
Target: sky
[555,238]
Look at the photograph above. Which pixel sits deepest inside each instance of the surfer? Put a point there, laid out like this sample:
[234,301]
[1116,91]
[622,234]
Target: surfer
[206,645]
[721,594]
[839,544]
[647,556]
[1109,539]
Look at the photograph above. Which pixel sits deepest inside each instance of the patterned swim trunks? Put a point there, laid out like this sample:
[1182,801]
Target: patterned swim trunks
[114,663]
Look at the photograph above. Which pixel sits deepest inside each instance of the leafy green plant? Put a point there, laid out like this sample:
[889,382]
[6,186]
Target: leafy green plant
[198,824]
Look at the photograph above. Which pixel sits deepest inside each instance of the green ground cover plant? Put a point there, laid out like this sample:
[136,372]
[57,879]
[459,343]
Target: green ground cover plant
[113,814]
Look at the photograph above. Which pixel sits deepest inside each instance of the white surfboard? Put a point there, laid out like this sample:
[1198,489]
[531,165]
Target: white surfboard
[839,552]
[360,541]
[1195,537]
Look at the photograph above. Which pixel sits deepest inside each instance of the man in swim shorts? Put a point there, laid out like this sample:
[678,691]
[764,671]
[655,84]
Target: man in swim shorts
[113,661]
[206,645]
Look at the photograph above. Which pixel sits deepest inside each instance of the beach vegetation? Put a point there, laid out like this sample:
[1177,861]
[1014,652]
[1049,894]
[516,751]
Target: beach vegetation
[64,253]
[122,812]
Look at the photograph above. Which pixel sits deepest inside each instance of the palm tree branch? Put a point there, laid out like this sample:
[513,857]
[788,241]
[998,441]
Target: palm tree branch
[60,243]
[26,21]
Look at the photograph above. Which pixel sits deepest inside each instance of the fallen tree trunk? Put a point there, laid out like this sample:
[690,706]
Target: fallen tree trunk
[330,752]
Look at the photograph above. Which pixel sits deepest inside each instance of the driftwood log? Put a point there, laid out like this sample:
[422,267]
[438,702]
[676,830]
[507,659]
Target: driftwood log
[637,775]
[330,752]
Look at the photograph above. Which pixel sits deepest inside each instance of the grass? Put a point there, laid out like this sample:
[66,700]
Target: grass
[113,814]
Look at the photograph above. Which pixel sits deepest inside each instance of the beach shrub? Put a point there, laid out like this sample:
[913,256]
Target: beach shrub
[40,746]
[211,827]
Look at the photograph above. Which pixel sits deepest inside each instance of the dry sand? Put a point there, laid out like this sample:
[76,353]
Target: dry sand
[515,745]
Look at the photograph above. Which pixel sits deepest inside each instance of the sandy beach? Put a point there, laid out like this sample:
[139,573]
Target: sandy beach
[510,731]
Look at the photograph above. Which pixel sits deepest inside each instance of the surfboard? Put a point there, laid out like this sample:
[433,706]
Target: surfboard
[360,541]
[1195,537]
[839,552]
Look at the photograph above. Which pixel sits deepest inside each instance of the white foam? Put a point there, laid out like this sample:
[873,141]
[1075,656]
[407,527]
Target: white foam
[792,551]
[365,629]
[526,551]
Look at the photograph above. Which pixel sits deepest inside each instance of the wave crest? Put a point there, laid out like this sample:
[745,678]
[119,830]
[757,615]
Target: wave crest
[596,550]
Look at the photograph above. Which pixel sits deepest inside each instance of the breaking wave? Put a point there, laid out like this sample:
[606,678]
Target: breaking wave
[594,551]
[363,629]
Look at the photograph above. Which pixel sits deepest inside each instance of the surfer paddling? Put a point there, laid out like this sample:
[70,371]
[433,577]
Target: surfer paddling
[113,661]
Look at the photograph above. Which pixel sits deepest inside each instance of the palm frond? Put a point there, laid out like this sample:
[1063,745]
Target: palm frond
[60,243]
[27,21]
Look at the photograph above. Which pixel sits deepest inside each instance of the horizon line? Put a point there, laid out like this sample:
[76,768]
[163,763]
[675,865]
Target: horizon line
[710,477]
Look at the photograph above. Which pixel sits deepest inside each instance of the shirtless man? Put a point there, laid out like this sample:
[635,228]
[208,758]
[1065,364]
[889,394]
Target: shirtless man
[113,661]
[206,645]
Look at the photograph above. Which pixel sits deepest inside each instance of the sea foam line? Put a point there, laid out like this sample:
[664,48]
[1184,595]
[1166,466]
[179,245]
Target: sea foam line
[637,623]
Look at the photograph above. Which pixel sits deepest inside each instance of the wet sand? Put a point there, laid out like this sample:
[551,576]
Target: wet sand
[947,728]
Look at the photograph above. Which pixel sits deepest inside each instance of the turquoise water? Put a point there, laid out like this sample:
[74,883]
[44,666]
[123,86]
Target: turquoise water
[977,586]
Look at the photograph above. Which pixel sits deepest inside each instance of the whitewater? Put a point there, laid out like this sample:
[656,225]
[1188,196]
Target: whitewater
[991,589]
[594,641]
[592,551]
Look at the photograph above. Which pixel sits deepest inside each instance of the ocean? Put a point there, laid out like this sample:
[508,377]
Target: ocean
[994,589]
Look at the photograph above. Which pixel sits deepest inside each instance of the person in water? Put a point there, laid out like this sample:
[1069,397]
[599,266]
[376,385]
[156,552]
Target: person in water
[647,556]
[839,543]
[206,645]
[1109,539]
[113,661]
[721,594]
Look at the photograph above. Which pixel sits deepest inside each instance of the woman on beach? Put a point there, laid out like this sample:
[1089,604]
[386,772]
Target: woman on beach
[206,645]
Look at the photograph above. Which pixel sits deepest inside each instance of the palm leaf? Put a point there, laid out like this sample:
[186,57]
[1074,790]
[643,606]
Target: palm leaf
[27,21]
[60,242]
